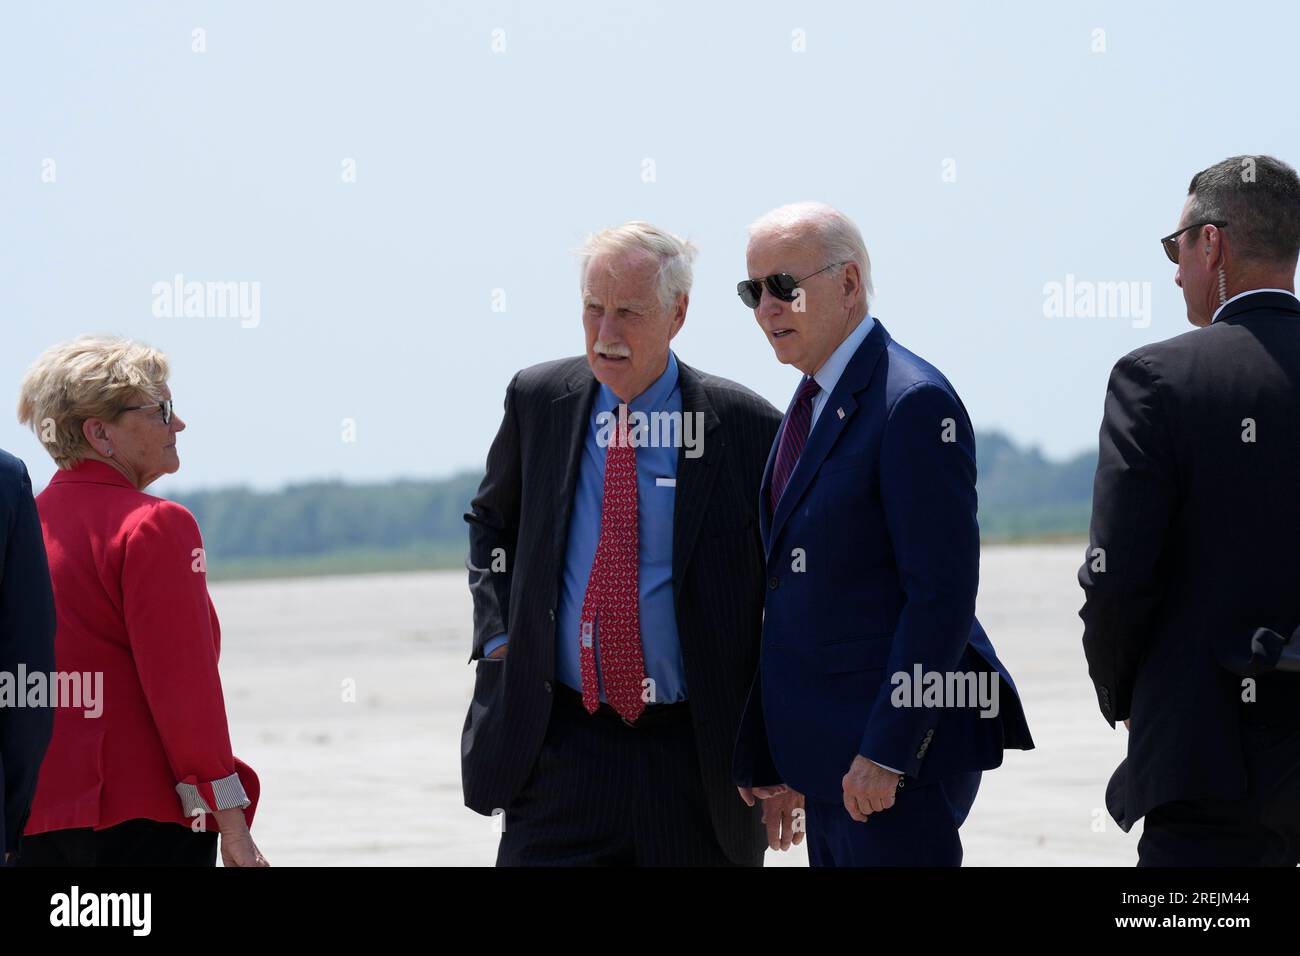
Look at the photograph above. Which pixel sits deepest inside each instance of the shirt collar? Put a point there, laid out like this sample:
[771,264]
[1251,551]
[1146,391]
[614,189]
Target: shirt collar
[93,472]
[654,398]
[1247,292]
[828,376]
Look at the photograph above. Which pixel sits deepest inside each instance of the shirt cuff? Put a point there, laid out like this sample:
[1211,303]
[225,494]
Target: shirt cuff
[224,794]
[890,769]
[493,643]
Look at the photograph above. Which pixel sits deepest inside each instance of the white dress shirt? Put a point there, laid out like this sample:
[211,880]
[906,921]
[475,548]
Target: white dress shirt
[1226,304]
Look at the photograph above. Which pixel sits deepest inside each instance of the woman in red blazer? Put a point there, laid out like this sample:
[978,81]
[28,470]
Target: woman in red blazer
[149,779]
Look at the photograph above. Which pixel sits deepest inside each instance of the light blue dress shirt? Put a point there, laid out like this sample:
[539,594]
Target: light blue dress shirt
[828,376]
[656,477]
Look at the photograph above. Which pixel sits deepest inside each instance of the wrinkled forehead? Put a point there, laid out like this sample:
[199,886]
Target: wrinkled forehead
[624,276]
[794,250]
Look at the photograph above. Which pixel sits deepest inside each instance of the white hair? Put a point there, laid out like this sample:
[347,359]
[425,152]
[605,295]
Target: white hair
[840,239]
[675,255]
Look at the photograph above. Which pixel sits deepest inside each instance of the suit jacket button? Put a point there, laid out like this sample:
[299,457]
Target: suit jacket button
[773,582]
[547,685]
[920,754]
[550,613]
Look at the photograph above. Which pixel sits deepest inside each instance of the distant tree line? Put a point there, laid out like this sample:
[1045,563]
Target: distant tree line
[333,527]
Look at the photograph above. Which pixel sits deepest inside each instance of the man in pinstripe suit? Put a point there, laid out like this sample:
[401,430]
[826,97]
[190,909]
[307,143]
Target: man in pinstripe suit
[617,578]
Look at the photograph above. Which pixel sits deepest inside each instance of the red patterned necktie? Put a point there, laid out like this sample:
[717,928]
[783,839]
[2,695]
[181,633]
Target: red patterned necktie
[793,437]
[613,594]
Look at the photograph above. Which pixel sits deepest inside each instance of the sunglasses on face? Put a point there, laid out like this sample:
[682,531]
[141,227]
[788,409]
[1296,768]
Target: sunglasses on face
[165,405]
[1170,242]
[780,286]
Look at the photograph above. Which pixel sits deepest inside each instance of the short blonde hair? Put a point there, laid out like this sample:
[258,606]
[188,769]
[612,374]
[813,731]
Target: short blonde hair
[89,377]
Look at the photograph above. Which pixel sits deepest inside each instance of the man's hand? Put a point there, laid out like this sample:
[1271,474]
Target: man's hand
[783,815]
[868,788]
[762,793]
[780,803]
[500,652]
[1126,726]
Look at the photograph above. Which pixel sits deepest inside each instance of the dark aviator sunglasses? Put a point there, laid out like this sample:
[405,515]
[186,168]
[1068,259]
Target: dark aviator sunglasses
[1170,242]
[781,286]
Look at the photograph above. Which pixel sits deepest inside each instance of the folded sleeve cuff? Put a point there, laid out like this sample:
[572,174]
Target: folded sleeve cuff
[224,794]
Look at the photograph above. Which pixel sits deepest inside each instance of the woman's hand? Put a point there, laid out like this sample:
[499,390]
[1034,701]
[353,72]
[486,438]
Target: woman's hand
[237,846]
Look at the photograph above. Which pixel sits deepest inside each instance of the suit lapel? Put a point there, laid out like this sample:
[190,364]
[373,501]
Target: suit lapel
[570,413]
[765,488]
[695,476]
[835,417]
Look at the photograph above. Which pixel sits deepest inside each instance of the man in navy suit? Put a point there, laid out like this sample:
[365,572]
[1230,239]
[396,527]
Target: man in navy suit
[879,699]
[27,639]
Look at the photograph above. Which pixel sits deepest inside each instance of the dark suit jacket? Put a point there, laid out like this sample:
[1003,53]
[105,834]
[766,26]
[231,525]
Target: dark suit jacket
[1198,529]
[883,509]
[26,636]
[523,506]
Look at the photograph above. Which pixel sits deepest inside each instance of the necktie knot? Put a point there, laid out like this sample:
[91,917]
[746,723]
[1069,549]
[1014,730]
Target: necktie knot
[809,389]
[621,428]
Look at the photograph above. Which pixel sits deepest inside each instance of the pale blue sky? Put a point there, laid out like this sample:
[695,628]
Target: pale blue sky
[479,170]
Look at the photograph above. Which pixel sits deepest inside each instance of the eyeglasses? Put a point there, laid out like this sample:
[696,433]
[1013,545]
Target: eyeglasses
[1170,242]
[781,286]
[165,405]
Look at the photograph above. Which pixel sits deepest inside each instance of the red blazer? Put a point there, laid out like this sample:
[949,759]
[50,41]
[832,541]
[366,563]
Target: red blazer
[132,602]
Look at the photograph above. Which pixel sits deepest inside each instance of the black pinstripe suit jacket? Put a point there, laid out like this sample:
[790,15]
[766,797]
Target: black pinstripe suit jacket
[523,507]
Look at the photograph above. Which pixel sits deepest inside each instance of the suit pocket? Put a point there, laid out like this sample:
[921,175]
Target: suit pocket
[855,654]
[853,462]
[488,675]
[489,667]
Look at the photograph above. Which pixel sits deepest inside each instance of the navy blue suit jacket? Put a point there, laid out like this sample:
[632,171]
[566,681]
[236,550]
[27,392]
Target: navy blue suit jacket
[27,637]
[882,503]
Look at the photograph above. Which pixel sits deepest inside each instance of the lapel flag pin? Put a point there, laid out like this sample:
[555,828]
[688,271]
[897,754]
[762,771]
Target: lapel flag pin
[839,412]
